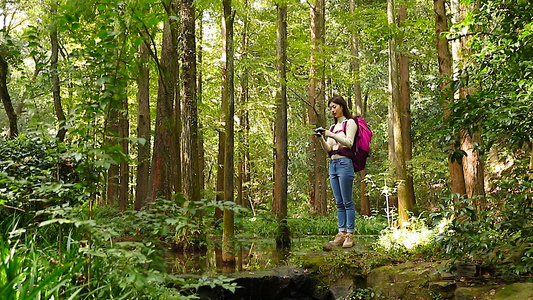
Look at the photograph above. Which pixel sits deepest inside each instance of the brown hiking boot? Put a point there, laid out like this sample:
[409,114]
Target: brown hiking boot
[348,241]
[339,239]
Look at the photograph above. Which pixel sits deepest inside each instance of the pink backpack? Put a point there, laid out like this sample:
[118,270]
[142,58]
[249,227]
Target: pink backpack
[360,149]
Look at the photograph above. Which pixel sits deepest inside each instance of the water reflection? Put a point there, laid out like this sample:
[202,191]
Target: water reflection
[251,255]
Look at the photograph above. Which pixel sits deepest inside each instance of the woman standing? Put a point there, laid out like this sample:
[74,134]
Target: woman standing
[336,141]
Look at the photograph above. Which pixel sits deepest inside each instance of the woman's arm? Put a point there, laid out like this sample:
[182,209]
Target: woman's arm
[345,140]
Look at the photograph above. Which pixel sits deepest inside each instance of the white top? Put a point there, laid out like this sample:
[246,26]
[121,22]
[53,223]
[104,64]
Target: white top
[341,139]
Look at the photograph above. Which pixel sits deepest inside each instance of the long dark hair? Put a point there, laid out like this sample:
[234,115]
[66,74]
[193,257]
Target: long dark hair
[340,101]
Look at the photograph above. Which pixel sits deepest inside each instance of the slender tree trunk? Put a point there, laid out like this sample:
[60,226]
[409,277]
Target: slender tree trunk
[280,133]
[124,133]
[6,99]
[473,166]
[405,107]
[111,136]
[401,171]
[317,102]
[359,108]
[143,127]
[55,77]
[189,138]
[228,243]
[165,150]
[244,174]
[199,94]
[445,70]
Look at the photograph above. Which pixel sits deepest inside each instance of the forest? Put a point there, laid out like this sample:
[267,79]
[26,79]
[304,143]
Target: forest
[136,129]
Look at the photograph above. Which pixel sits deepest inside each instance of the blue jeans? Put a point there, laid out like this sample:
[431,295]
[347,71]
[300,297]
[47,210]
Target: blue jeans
[341,174]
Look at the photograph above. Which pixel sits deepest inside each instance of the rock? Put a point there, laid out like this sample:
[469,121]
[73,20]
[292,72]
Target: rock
[284,283]
[327,247]
[406,281]
[523,290]
[469,293]
[446,289]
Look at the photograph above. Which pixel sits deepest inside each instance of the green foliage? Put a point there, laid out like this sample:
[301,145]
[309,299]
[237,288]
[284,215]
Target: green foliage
[363,294]
[495,235]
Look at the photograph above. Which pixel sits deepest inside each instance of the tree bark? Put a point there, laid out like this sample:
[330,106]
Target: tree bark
[124,174]
[111,136]
[359,107]
[405,107]
[445,69]
[6,99]
[244,154]
[401,171]
[317,107]
[189,138]
[143,127]
[228,243]
[165,150]
[280,132]
[54,59]
[473,165]
[199,94]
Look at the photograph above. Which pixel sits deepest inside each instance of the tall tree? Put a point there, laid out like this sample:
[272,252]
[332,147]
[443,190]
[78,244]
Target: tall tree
[228,243]
[56,89]
[199,94]
[405,107]
[359,107]
[124,173]
[143,125]
[6,99]
[244,153]
[317,114]
[404,203]
[445,70]
[189,138]
[473,165]
[165,145]
[280,132]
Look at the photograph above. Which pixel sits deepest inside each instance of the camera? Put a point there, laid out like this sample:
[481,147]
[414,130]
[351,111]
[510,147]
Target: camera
[319,131]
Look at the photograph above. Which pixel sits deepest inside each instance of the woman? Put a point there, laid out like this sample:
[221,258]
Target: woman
[341,170]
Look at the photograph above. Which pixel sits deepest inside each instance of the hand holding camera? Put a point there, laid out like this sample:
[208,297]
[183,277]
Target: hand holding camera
[319,131]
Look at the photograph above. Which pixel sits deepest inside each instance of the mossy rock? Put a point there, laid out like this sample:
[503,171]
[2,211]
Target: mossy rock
[405,281]
[515,291]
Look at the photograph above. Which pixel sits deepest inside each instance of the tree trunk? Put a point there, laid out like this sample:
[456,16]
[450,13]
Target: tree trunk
[199,94]
[55,77]
[473,166]
[401,171]
[165,150]
[228,243]
[111,135]
[445,70]
[124,133]
[317,106]
[6,99]
[143,127]
[244,155]
[189,138]
[405,106]
[279,204]
[359,108]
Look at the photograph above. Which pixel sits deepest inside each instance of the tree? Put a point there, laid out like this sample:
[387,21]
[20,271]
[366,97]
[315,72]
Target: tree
[228,246]
[189,138]
[165,143]
[445,71]
[317,105]
[405,108]
[56,89]
[6,99]
[280,132]
[473,165]
[143,125]
[404,203]
[359,107]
